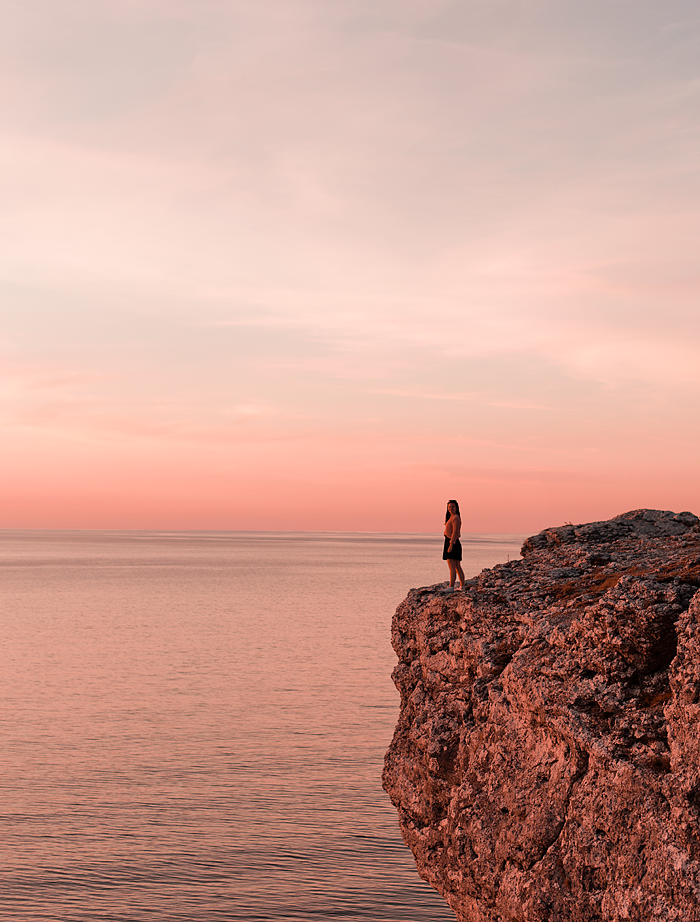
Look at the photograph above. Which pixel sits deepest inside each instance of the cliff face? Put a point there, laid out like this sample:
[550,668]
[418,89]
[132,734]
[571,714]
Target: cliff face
[546,762]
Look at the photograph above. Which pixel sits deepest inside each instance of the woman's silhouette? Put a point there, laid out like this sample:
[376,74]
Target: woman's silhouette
[452,552]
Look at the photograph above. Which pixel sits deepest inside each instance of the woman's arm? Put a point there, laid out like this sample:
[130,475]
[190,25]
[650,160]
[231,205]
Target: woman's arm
[456,529]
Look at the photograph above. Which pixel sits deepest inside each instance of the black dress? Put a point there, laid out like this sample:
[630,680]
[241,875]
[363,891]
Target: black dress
[455,553]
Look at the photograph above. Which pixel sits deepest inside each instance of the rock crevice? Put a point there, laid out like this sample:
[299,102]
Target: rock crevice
[546,761]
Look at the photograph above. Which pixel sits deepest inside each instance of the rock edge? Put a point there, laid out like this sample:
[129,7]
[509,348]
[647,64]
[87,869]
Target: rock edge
[546,761]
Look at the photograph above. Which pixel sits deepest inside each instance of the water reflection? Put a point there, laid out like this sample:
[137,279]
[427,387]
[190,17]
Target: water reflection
[195,730]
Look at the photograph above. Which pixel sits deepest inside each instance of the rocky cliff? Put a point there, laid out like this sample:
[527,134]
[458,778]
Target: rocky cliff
[546,762]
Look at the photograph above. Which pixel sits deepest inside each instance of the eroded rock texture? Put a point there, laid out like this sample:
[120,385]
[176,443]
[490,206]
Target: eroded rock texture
[546,762]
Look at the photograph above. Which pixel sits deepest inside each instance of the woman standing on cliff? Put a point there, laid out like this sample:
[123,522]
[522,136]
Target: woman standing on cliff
[452,552]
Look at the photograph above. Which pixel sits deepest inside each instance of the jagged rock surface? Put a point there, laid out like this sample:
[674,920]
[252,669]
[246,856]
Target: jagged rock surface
[546,762]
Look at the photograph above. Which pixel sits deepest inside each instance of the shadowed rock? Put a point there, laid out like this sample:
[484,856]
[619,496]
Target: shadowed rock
[546,761]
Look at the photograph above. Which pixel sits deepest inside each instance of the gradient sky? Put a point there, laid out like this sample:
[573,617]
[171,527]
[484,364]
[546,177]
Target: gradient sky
[300,264]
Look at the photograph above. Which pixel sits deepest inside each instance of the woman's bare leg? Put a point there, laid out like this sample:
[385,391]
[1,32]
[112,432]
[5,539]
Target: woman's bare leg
[460,572]
[453,571]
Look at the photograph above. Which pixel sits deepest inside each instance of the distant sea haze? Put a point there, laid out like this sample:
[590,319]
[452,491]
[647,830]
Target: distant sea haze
[193,725]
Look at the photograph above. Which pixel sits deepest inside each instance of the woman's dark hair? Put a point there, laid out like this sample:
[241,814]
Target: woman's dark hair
[448,513]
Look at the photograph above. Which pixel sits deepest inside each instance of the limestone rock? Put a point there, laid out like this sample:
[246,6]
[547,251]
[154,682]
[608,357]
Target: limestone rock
[546,761]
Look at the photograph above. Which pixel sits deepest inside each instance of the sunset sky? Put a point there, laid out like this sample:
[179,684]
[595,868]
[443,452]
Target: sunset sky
[325,264]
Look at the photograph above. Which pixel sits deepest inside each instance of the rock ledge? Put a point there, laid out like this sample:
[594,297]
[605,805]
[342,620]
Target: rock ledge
[546,761]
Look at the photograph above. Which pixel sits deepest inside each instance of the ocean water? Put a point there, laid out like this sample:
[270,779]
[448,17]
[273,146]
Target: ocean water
[192,725]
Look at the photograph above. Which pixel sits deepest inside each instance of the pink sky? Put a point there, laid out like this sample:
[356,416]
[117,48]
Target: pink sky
[310,265]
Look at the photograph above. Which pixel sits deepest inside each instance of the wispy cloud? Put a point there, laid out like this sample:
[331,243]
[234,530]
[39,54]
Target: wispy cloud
[458,229]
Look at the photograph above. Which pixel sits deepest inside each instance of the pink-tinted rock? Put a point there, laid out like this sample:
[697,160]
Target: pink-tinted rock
[546,761]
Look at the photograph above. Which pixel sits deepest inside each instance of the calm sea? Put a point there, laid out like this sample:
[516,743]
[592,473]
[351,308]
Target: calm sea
[193,725]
